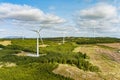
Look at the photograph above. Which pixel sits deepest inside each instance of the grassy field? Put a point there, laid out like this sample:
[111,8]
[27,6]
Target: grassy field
[107,59]
[78,59]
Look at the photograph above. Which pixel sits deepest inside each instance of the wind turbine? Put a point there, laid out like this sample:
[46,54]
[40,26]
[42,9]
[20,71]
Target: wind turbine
[23,37]
[93,31]
[63,37]
[38,33]
[22,34]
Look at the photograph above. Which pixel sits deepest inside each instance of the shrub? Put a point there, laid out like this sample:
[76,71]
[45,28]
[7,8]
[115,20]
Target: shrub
[1,46]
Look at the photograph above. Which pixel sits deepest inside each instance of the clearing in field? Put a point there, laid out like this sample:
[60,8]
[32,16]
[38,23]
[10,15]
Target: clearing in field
[22,53]
[7,64]
[44,45]
[5,43]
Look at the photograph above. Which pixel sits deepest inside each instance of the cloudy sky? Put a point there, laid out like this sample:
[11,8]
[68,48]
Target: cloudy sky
[81,18]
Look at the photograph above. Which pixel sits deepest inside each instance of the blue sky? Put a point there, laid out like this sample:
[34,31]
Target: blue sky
[80,18]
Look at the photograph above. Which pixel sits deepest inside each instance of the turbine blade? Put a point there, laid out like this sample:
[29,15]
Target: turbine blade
[34,30]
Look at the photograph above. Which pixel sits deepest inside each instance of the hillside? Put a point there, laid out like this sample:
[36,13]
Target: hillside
[89,60]
[106,58]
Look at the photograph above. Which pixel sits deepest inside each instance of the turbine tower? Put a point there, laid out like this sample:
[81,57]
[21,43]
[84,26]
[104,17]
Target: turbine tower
[94,31]
[38,36]
[63,41]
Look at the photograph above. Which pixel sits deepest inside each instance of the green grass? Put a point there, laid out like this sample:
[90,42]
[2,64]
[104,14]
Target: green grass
[40,68]
[32,71]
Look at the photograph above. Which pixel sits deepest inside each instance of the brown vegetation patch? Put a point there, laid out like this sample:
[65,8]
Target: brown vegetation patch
[113,45]
[75,73]
[44,45]
[59,43]
[109,66]
[109,53]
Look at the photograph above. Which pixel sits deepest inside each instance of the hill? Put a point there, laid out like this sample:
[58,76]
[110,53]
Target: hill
[78,59]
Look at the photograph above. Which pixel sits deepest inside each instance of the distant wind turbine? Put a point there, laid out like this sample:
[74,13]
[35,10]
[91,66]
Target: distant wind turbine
[23,36]
[63,41]
[93,31]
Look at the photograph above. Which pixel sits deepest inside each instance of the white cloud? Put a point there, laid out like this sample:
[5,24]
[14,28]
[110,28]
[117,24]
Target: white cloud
[103,17]
[99,11]
[2,30]
[27,15]
[66,28]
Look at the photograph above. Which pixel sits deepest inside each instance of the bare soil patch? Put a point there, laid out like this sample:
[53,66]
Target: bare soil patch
[59,43]
[44,45]
[5,43]
[22,53]
[7,64]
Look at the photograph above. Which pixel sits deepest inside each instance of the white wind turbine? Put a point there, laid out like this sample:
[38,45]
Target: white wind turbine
[38,36]
[63,40]
[65,31]
[93,31]
[23,36]
[61,31]
[63,36]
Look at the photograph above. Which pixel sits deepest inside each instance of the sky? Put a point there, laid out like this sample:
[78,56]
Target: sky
[57,18]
